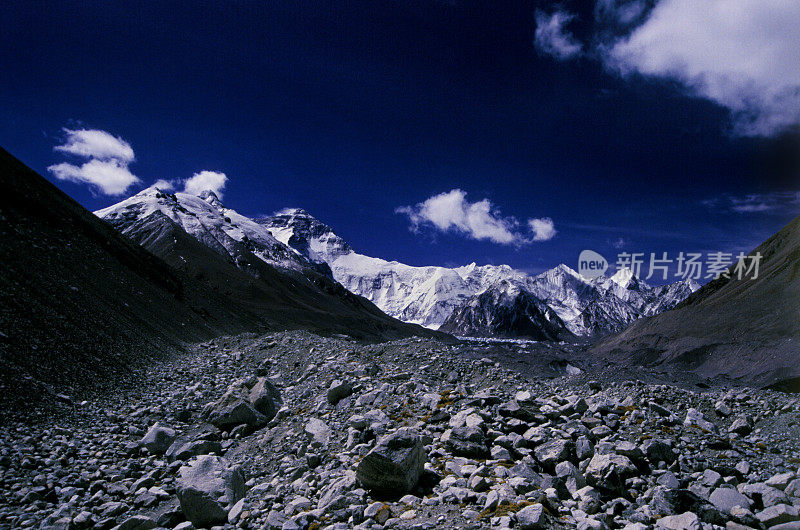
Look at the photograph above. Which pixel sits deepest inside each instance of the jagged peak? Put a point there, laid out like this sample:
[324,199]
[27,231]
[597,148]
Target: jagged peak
[563,268]
[211,198]
[623,277]
[293,212]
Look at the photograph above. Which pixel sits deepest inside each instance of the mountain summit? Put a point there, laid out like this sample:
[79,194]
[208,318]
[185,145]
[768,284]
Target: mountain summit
[242,261]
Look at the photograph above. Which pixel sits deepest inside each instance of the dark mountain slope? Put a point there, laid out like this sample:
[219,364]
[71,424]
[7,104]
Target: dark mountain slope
[746,329]
[282,298]
[80,302]
[77,300]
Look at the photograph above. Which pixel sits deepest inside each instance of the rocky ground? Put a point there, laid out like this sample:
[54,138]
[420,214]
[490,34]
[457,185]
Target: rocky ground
[292,430]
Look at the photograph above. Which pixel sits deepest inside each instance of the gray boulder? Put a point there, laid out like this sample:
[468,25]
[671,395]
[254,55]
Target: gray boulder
[551,453]
[237,412]
[658,451]
[695,419]
[184,450]
[266,398]
[318,430]
[137,522]
[466,441]
[207,488]
[252,402]
[338,391]
[741,425]
[684,521]
[158,439]
[778,514]
[724,499]
[395,464]
[531,517]
[610,471]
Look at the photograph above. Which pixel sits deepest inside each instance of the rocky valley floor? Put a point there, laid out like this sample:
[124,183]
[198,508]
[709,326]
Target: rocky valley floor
[292,430]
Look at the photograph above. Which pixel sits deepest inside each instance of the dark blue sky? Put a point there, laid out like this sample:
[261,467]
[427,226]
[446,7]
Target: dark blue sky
[351,109]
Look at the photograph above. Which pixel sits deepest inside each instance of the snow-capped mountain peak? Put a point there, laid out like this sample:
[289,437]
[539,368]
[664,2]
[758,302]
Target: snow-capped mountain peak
[622,277]
[301,231]
[208,220]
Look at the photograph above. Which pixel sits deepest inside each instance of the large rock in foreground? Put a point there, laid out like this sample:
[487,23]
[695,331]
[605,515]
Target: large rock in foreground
[395,464]
[207,488]
[251,402]
[158,439]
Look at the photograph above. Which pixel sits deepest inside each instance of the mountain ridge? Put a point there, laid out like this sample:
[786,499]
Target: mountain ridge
[428,295]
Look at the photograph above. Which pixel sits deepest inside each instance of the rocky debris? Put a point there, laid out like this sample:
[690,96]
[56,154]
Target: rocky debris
[395,464]
[207,488]
[252,402]
[467,444]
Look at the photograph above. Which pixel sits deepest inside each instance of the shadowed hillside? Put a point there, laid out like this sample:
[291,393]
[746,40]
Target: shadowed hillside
[747,329]
[79,301]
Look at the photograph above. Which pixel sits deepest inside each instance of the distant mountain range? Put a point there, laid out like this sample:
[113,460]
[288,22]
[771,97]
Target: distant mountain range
[467,301]
[450,299]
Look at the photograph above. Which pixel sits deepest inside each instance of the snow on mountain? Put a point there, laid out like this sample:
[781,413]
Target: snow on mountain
[293,239]
[204,217]
[429,295]
[506,310]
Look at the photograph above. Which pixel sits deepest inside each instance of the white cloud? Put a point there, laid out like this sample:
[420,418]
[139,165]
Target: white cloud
[620,243]
[451,211]
[206,180]
[551,36]
[107,168]
[619,12]
[94,143]
[543,229]
[165,185]
[111,177]
[741,54]
[773,202]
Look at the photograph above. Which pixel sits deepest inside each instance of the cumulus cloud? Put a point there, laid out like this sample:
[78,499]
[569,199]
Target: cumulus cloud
[111,177]
[741,54]
[206,180]
[165,185]
[94,143]
[543,229]
[451,211]
[106,170]
[619,12]
[774,202]
[552,37]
